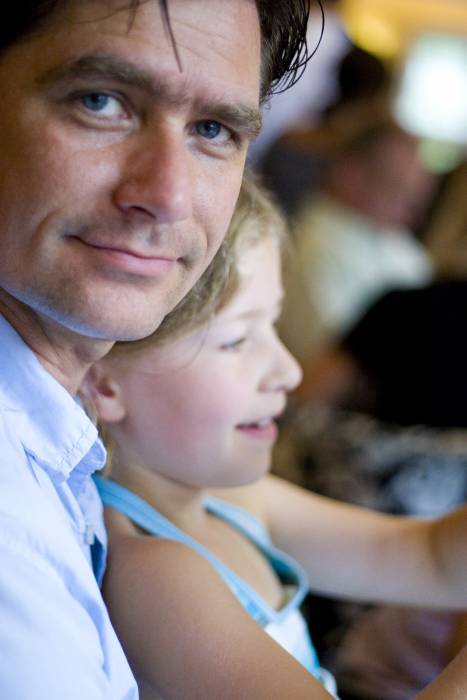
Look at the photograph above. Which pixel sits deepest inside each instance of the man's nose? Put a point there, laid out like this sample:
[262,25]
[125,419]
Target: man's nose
[157,180]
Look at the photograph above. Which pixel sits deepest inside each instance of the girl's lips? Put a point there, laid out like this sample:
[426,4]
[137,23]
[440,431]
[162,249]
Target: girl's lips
[263,430]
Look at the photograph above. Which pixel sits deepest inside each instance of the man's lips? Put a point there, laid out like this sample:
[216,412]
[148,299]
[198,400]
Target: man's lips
[131,261]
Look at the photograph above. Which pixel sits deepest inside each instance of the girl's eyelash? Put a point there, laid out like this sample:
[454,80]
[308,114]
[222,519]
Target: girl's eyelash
[234,345]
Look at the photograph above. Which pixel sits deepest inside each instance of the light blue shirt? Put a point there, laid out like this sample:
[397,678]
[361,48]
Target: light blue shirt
[56,639]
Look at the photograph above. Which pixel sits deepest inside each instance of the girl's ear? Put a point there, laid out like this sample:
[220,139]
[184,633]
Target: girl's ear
[104,393]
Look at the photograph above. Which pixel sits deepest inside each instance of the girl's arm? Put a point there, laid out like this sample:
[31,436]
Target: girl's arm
[451,684]
[356,553]
[185,634]
[459,637]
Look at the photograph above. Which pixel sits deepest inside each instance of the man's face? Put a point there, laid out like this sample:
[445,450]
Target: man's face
[119,171]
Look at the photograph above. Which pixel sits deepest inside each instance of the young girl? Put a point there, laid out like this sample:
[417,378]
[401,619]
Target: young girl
[194,579]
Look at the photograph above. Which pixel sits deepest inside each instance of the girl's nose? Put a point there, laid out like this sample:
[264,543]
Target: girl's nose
[285,374]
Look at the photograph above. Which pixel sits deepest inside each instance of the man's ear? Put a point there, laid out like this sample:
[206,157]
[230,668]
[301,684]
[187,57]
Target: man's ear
[104,393]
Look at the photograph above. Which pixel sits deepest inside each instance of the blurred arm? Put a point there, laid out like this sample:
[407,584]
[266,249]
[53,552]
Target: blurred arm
[364,555]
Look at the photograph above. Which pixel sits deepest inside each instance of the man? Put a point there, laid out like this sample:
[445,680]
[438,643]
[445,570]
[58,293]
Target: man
[354,237]
[123,136]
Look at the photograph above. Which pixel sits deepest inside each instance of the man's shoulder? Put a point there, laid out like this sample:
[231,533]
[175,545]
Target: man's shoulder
[10,442]
[22,492]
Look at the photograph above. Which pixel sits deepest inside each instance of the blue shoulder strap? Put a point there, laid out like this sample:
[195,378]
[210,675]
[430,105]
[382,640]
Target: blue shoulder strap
[289,571]
[141,513]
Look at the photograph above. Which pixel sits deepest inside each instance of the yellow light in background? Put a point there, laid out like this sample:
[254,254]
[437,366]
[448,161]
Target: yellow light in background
[391,24]
[375,34]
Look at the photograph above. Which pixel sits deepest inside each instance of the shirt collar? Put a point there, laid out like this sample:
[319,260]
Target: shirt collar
[52,426]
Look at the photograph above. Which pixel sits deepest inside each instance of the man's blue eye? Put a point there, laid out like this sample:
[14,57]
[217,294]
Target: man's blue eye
[209,129]
[96,101]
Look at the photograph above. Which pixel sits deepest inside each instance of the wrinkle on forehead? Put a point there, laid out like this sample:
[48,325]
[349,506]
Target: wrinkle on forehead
[214,42]
[218,37]
[186,31]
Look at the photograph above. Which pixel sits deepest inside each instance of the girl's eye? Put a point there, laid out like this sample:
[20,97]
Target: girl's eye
[213,131]
[233,345]
[102,104]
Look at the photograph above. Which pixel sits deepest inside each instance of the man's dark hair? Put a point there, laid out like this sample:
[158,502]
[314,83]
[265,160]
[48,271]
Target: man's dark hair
[283,29]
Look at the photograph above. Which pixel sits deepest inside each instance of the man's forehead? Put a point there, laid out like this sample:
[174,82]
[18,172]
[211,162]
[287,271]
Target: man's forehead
[167,14]
[207,33]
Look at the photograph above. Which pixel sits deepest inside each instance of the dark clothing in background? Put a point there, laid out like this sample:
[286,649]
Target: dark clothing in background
[413,346]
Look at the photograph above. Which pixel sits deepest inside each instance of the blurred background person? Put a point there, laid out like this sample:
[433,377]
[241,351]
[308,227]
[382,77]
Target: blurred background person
[294,164]
[354,238]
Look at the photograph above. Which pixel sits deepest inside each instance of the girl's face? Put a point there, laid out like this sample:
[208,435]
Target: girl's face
[201,410]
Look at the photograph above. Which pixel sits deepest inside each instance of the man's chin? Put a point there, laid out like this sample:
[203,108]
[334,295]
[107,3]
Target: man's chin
[114,319]
[118,331]
[107,327]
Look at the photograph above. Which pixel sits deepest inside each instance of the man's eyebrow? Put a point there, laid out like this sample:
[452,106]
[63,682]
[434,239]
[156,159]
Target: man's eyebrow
[245,118]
